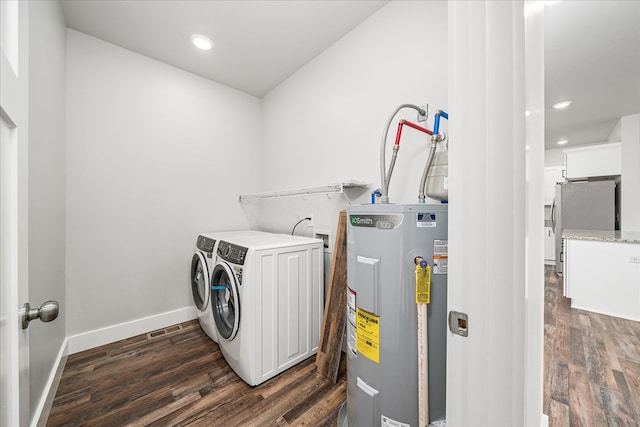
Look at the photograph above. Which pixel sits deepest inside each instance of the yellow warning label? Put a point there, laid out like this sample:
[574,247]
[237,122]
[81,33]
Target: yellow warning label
[368,335]
[423,285]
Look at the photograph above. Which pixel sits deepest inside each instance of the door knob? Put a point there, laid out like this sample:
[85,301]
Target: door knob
[47,312]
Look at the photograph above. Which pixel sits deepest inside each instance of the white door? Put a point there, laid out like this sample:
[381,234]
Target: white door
[14,341]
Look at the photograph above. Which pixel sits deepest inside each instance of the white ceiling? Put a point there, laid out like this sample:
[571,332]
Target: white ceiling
[592,56]
[592,48]
[257,44]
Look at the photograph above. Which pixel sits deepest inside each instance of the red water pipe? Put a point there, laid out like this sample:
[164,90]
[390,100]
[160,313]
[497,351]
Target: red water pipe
[412,125]
[415,126]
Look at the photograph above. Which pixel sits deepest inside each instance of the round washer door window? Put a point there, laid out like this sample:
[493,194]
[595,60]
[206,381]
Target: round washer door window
[225,301]
[199,281]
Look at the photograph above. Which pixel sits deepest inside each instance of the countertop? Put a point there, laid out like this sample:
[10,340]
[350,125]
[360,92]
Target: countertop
[603,235]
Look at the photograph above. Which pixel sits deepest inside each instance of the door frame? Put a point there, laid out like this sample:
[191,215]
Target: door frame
[14,84]
[495,264]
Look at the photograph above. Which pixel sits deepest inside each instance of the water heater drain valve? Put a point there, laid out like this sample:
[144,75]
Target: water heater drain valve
[421,262]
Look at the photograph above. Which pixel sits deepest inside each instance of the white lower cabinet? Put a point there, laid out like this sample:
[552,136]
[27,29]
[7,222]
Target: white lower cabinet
[603,277]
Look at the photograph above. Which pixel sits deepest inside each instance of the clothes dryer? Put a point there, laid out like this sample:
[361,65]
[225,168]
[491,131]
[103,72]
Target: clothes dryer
[267,300]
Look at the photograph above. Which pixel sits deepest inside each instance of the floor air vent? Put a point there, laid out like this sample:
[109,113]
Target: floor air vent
[163,332]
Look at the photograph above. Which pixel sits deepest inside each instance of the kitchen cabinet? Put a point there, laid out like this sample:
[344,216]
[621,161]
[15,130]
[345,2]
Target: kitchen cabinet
[552,175]
[549,246]
[593,161]
[603,277]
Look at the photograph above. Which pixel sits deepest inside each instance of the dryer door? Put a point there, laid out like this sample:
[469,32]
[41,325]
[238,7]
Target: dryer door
[225,301]
[199,281]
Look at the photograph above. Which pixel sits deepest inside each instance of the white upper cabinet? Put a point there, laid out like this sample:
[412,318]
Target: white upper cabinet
[593,161]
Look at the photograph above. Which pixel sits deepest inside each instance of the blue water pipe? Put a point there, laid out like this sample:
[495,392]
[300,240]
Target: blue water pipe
[436,120]
[375,194]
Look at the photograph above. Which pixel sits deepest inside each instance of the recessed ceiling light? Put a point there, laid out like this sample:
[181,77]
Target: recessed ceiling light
[201,42]
[562,141]
[562,104]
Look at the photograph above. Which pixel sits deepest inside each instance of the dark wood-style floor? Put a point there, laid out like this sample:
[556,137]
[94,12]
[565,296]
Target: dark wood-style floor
[179,378]
[592,364]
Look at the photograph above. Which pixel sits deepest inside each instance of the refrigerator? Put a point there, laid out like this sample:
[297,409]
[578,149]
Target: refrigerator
[583,205]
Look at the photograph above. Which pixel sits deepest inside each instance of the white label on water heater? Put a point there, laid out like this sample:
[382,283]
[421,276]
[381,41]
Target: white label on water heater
[351,321]
[388,422]
[440,257]
[426,219]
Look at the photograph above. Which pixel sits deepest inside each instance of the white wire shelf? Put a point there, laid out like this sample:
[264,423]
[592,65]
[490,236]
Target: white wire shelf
[320,190]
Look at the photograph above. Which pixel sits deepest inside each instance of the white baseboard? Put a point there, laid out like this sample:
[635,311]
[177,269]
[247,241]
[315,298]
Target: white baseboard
[109,334]
[545,421]
[41,413]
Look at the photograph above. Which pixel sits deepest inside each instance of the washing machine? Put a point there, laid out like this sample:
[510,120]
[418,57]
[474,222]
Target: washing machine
[202,264]
[267,301]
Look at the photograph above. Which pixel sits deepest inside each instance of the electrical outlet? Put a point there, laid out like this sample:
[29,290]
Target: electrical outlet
[634,259]
[309,222]
[421,118]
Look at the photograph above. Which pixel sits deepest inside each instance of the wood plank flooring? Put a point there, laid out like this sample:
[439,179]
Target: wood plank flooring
[592,378]
[180,378]
[592,364]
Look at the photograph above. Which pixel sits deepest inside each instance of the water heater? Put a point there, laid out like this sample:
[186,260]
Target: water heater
[383,243]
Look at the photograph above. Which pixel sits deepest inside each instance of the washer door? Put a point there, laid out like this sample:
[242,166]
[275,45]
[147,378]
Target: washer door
[199,281]
[225,301]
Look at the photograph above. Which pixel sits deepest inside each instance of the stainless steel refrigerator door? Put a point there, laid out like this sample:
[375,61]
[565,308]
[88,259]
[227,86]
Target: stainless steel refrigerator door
[556,222]
[583,206]
[588,205]
[556,226]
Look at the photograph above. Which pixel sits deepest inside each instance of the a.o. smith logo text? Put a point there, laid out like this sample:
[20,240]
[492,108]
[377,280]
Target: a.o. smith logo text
[367,221]
[382,222]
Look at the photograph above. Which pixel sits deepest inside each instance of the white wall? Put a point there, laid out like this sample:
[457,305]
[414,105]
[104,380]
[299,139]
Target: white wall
[47,34]
[324,124]
[616,133]
[630,165]
[554,157]
[154,156]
